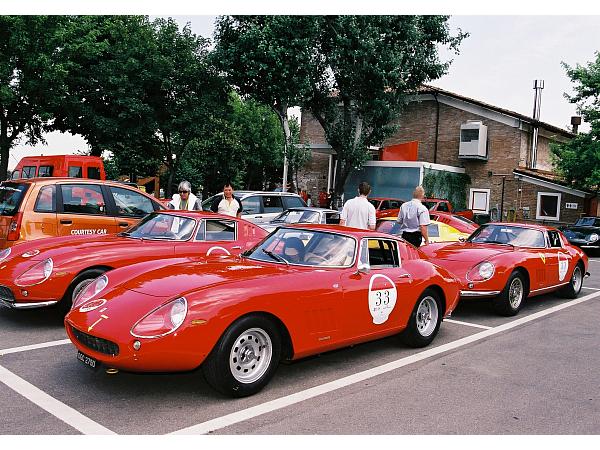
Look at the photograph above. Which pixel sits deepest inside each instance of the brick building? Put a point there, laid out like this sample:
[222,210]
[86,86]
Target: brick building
[437,119]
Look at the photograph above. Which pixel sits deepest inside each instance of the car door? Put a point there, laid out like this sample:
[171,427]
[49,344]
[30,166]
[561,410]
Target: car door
[128,206]
[213,237]
[81,210]
[558,260]
[42,220]
[371,297]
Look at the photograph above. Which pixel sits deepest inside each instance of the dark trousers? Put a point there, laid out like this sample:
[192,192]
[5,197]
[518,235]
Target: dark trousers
[414,237]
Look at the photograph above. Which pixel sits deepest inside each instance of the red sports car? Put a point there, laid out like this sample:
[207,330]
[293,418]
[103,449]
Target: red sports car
[302,291]
[510,261]
[386,207]
[52,271]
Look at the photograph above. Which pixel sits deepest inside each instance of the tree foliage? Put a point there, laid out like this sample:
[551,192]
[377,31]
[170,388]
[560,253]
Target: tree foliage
[30,73]
[578,160]
[352,72]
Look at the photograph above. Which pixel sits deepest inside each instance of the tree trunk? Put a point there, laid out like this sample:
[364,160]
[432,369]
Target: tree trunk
[4,149]
[281,111]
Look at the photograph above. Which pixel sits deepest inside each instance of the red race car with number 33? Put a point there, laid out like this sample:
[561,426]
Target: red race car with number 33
[303,290]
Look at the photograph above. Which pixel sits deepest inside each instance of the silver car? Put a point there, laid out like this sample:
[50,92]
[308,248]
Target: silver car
[303,215]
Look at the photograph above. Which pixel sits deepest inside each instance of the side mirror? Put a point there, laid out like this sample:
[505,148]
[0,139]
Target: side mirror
[462,239]
[363,268]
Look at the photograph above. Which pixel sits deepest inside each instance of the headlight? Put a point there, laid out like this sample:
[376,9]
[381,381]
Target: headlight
[36,274]
[481,272]
[90,290]
[162,321]
[593,238]
[4,254]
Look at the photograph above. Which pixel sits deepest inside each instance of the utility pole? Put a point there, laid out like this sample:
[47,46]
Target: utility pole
[538,85]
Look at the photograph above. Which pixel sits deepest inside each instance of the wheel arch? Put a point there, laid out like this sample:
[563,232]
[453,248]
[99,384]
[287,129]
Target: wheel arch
[442,295]
[527,278]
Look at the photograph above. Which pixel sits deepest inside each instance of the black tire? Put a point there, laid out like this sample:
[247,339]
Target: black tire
[218,369]
[76,286]
[573,289]
[509,303]
[416,334]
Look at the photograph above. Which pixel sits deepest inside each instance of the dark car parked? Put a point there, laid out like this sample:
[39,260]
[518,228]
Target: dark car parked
[585,233]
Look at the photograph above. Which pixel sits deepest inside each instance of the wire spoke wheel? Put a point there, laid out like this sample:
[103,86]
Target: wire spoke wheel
[427,316]
[577,279]
[250,355]
[515,293]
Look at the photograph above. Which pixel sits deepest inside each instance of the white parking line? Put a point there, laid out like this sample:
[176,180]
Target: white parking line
[25,348]
[593,289]
[282,402]
[58,409]
[469,324]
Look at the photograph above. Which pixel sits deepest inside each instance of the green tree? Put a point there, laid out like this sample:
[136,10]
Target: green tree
[353,73]
[578,160]
[30,72]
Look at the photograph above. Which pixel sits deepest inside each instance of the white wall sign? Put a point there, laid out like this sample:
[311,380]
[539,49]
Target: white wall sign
[571,205]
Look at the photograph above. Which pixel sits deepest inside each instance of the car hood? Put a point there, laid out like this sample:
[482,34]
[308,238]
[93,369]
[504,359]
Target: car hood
[580,232]
[464,252]
[170,280]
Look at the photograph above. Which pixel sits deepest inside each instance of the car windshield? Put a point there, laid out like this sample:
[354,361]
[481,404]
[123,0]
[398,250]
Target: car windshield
[162,227]
[374,202]
[509,235]
[588,222]
[389,227]
[429,205]
[305,248]
[11,195]
[297,216]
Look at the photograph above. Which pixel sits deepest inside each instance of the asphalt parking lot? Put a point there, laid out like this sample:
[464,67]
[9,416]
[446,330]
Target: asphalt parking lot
[531,374]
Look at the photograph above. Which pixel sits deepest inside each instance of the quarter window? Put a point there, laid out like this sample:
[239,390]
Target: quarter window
[83,199]
[46,199]
[383,253]
[554,239]
[217,230]
[272,204]
[130,203]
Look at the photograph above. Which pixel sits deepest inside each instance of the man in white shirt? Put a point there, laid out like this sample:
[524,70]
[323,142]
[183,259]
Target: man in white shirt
[414,218]
[228,204]
[358,212]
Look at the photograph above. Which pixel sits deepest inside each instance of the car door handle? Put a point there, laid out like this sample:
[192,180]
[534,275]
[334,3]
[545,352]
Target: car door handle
[123,224]
[236,247]
[258,217]
[66,222]
[404,275]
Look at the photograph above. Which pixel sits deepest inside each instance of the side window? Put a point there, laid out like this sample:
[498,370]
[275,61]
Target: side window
[75,172]
[82,199]
[554,239]
[218,230]
[394,204]
[93,173]
[45,171]
[292,202]
[383,253]
[385,205]
[130,203]
[272,204]
[46,199]
[16,174]
[433,230]
[251,205]
[443,207]
[28,172]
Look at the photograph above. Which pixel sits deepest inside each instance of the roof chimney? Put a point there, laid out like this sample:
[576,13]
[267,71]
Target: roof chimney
[575,122]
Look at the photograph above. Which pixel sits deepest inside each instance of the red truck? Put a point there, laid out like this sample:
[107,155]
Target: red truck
[439,205]
[72,166]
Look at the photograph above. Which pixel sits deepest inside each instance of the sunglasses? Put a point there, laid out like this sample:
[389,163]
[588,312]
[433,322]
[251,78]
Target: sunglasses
[184,192]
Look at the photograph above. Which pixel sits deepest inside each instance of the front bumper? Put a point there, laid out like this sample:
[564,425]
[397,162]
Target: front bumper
[7,299]
[479,294]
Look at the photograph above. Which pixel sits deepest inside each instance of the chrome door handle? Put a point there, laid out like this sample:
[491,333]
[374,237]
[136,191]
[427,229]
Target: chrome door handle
[404,275]
[237,247]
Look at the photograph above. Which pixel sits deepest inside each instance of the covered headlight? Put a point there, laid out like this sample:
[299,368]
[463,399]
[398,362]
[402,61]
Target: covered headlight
[481,272]
[162,321]
[37,274]
[593,238]
[92,289]
[4,254]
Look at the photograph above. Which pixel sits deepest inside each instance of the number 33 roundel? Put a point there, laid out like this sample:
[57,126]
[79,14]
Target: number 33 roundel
[382,298]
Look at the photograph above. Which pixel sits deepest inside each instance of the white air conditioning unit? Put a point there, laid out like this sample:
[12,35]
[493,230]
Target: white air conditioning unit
[473,140]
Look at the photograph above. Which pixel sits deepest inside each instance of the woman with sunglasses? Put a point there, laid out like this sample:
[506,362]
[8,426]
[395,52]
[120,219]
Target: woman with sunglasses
[185,200]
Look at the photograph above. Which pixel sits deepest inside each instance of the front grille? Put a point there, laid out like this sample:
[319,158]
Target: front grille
[6,294]
[95,343]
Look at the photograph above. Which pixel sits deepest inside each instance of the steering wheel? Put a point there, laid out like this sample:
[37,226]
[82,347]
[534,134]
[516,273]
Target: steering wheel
[318,258]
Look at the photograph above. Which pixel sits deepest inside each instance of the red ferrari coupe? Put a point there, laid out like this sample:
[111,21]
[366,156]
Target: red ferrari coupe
[52,271]
[303,290]
[510,262]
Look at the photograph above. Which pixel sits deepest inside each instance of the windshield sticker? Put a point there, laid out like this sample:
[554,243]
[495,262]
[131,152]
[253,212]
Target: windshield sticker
[382,298]
[563,266]
[88,231]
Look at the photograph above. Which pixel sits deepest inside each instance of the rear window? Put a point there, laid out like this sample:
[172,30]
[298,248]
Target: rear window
[75,172]
[45,171]
[293,202]
[11,196]
[94,173]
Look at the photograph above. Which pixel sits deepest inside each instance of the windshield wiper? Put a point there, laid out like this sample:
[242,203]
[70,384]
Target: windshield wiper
[498,242]
[275,257]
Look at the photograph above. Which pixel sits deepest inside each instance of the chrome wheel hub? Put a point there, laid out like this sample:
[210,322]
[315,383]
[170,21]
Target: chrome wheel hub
[515,293]
[250,355]
[427,316]
[577,279]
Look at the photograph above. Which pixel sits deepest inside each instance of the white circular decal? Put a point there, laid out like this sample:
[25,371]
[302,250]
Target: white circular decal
[382,298]
[563,266]
[94,304]
[215,248]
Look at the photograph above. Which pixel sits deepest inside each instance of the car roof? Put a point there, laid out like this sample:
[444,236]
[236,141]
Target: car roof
[386,198]
[348,231]
[311,208]
[533,226]
[197,214]
[51,180]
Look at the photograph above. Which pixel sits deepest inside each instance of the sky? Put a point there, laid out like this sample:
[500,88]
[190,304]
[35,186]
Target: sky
[497,64]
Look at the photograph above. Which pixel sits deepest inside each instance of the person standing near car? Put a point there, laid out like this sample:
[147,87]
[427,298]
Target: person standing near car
[358,212]
[185,200]
[228,204]
[323,203]
[414,218]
